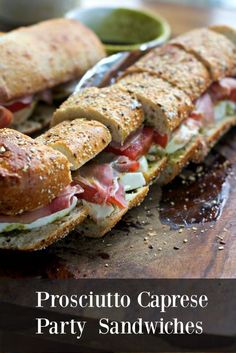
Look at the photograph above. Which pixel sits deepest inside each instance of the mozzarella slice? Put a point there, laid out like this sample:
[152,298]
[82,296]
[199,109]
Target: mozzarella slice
[132,181]
[182,136]
[8,227]
[143,164]
[98,212]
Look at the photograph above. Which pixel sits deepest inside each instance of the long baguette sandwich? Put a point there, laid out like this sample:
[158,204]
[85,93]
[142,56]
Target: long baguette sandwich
[39,65]
[176,87]
[202,64]
[40,201]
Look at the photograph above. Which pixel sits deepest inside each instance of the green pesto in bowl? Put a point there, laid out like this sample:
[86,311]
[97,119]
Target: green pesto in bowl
[124,29]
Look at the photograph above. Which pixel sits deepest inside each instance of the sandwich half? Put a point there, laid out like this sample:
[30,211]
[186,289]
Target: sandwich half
[39,67]
[40,201]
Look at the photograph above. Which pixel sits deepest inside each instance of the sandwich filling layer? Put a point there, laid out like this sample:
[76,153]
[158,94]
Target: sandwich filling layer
[110,181]
[60,207]
[217,104]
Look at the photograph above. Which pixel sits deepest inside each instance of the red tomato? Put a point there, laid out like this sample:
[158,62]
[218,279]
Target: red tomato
[159,139]
[6,117]
[138,148]
[15,107]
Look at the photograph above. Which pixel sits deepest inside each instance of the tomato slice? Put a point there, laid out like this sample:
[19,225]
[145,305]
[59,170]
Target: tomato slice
[159,139]
[138,148]
[6,117]
[15,107]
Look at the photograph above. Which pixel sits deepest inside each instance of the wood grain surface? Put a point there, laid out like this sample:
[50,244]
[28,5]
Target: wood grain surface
[187,230]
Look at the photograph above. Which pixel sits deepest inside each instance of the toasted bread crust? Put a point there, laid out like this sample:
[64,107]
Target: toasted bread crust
[215,51]
[155,169]
[174,167]
[79,140]
[170,105]
[176,66]
[118,110]
[44,55]
[93,230]
[41,238]
[227,31]
[31,175]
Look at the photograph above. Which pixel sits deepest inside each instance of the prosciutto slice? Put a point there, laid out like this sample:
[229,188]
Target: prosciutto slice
[223,89]
[100,185]
[204,109]
[61,202]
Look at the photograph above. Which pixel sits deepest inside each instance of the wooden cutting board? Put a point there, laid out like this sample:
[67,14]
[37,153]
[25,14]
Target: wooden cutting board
[188,229]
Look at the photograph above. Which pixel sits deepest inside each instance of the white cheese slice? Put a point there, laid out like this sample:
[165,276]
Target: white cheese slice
[98,212]
[143,164]
[182,136]
[8,227]
[132,181]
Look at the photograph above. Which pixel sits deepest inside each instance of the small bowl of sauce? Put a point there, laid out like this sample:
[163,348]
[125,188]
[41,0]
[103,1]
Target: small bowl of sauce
[124,29]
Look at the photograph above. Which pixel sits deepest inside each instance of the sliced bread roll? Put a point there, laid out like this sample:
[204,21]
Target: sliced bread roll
[164,105]
[228,32]
[40,238]
[42,56]
[31,174]
[91,229]
[215,51]
[118,110]
[178,67]
[79,140]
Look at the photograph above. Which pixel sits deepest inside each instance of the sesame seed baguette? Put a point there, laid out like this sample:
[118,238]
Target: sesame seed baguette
[164,105]
[215,51]
[116,109]
[41,238]
[211,136]
[97,230]
[42,56]
[176,66]
[31,175]
[79,140]
[228,32]
[179,160]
